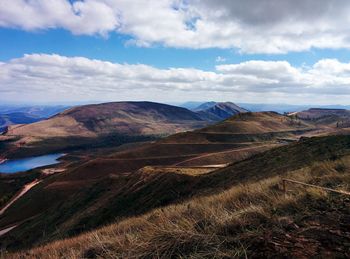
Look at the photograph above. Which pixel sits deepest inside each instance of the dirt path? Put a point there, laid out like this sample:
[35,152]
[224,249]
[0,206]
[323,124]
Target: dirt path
[221,152]
[2,160]
[25,189]
[192,167]
[5,230]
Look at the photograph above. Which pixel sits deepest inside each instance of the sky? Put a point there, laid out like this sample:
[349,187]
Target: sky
[255,51]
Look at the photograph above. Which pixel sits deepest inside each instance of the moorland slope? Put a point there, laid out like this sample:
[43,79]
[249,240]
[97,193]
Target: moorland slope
[16,118]
[100,125]
[94,191]
[237,211]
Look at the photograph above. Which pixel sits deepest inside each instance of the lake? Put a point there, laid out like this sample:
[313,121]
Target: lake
[25,164]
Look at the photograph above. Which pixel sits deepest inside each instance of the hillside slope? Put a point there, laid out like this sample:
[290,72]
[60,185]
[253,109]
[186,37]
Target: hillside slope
[123,118]
[316,113]
[100,124]
[247,127]
[258,122]
[244,212]
[16,118]
[336,118]
[92,192]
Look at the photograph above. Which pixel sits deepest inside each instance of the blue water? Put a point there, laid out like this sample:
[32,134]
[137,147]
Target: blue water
[25,164]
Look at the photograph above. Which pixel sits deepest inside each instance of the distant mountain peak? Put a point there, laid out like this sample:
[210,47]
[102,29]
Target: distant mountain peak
[217,111]
[205,106]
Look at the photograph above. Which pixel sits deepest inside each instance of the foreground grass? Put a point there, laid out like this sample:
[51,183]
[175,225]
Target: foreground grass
[251,220]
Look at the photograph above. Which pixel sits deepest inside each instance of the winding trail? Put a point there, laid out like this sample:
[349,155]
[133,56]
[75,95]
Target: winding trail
[24,190]
[5,230]
[222,152]
[2,160]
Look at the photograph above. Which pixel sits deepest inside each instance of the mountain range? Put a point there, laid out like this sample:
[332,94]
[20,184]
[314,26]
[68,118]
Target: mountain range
[16,118]
[277,107]
[10,115]
[118,123]
[100,125]
[95,189]
[202,187]
[40,111]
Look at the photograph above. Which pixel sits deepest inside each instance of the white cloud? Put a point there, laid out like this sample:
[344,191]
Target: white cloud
[81,17]
[253,26]
[42,77]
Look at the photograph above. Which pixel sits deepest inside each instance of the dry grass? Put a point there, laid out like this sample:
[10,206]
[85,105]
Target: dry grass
[228,156]
[56,126]
[193,171]
[257,122]
[231,224]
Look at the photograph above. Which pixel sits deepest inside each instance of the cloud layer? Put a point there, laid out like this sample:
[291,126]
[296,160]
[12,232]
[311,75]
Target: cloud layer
[252,26]
[44,77]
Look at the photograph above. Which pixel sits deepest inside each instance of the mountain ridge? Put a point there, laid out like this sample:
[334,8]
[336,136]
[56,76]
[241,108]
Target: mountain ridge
[13,118]
[84,125]
[217,111]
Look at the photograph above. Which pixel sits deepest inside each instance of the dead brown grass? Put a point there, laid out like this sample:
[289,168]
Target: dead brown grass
[193,171]
[257,122]
[253,219]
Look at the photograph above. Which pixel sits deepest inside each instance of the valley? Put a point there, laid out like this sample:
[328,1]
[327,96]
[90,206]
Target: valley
[230,200]
[101,185]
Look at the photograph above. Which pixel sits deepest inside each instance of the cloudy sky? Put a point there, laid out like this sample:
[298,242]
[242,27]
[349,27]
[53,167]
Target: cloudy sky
[259,51]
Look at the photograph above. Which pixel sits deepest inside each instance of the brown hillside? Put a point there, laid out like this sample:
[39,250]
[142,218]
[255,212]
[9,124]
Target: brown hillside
[101,124]
[95,191]
[109,176]
[246,127]
[317,113]
[255,123]
[123,118]
[244,214]
[332,118]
